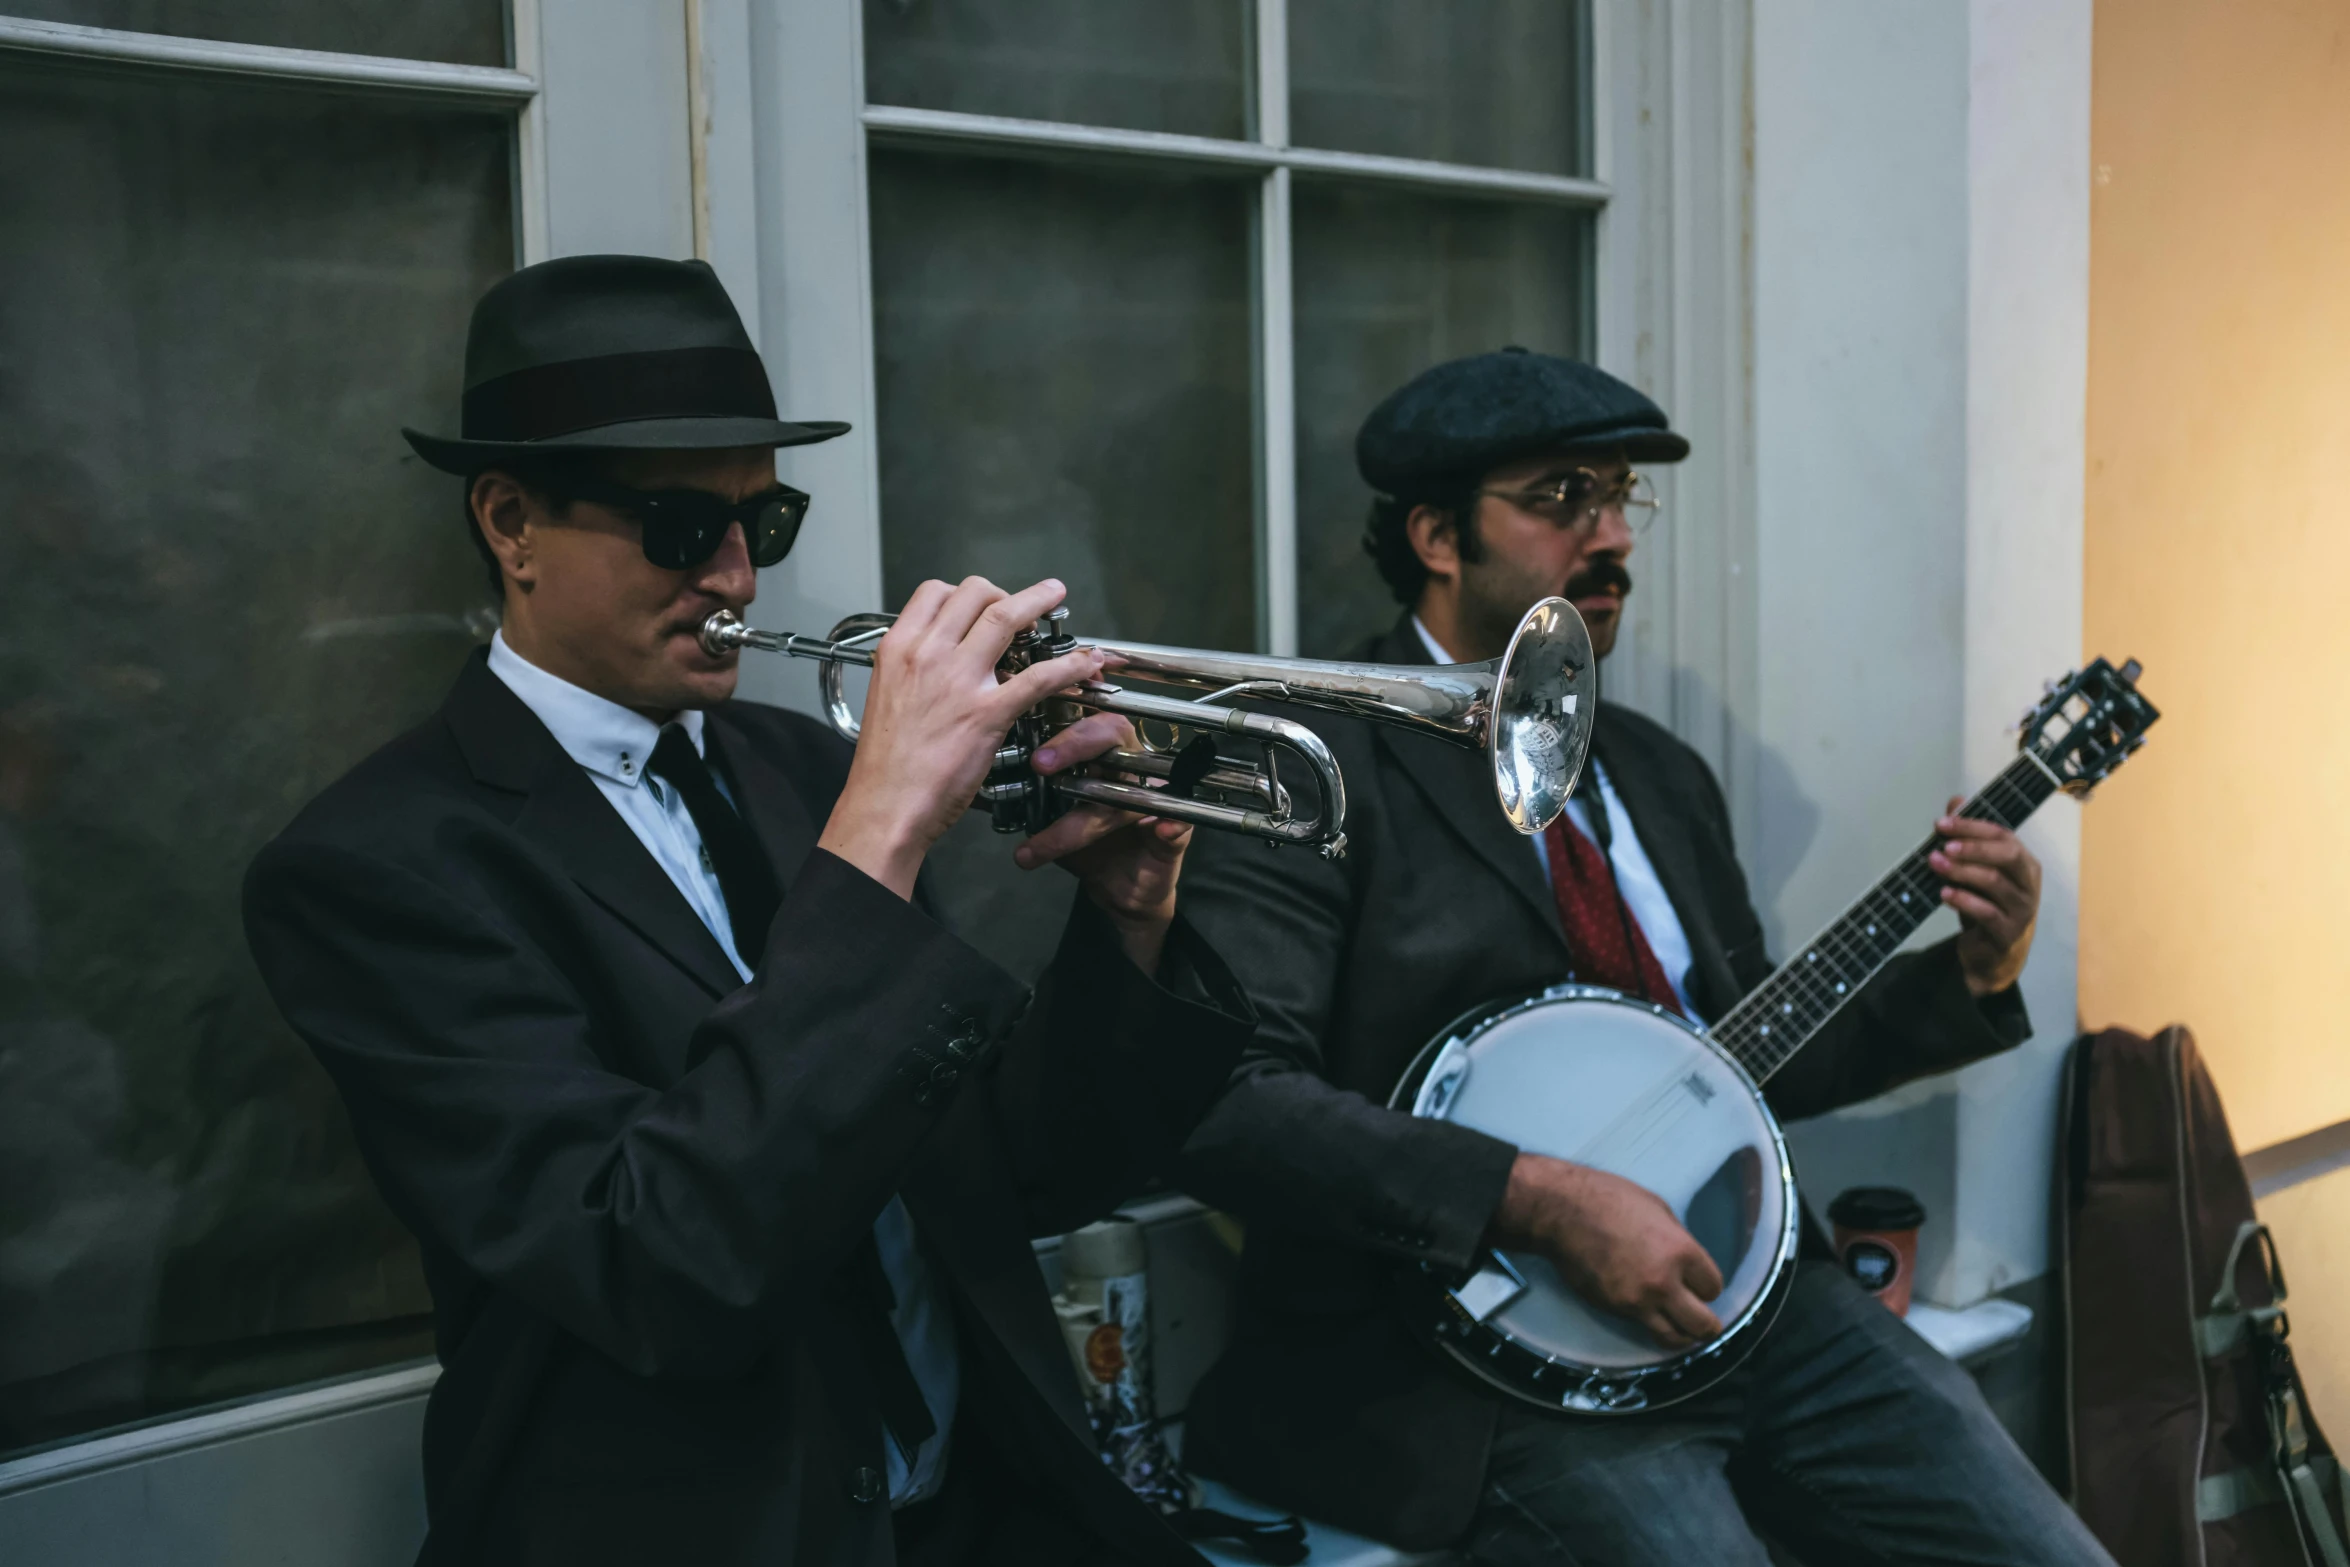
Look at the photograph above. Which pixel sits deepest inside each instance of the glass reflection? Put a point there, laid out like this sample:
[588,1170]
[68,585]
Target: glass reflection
[1388,284]
[1497,82]
[223,580]
[459,32]
[1064,376]
[1147,65]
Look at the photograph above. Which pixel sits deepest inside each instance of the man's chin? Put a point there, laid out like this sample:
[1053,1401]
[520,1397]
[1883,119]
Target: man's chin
[1602,621]
[695,679]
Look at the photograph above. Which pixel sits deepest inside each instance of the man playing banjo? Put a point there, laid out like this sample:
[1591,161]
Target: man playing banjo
[1502,479]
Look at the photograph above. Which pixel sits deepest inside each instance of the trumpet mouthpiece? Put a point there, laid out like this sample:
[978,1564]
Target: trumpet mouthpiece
[722,633]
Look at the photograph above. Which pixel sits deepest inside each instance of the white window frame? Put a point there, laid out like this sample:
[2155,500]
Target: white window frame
[1669,191]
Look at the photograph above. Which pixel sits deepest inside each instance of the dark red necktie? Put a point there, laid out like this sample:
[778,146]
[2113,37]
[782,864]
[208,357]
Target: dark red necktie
[1603,938]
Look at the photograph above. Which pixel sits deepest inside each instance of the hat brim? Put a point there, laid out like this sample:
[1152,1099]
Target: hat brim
[465,458]
[1640,442]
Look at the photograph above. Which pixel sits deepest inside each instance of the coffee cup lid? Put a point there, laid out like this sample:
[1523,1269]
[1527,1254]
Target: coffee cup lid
[1876,1208]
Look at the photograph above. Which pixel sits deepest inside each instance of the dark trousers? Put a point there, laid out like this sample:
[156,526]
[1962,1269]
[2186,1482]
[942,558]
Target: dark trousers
[1845,1436]
[987,1516]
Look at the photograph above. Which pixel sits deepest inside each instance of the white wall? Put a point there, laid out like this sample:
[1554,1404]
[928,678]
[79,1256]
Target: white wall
[1921,337]
[614,119]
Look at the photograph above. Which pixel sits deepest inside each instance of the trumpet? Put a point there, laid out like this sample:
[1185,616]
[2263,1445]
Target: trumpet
[1529,711]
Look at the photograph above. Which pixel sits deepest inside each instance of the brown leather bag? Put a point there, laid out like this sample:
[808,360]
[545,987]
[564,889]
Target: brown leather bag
[2192,1442]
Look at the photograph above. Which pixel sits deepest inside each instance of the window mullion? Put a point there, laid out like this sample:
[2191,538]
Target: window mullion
[1277,431]
[1277,606]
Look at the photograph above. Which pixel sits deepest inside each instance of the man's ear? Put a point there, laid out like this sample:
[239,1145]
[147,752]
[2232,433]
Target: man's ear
[503,510]
[1435,539]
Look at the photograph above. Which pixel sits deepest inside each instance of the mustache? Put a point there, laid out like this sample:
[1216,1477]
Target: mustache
[1599,577]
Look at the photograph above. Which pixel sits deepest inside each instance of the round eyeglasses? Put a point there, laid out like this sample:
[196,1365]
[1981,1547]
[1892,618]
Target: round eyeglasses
[1579,499]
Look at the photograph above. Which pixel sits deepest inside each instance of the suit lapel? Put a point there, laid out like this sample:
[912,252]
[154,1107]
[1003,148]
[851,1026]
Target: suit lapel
[1665,839]
[1460,786]
[508,748]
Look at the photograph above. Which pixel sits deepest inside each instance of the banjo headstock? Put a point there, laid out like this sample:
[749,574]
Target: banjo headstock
[2087,724]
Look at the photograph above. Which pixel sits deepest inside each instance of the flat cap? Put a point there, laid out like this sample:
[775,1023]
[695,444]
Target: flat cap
[1467,416]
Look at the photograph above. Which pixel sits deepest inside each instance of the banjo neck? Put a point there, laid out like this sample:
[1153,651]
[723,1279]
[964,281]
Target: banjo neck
[1782,1014]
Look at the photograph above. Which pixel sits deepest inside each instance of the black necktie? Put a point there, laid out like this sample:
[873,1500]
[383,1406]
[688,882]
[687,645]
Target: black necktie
[748,883]
[744,875]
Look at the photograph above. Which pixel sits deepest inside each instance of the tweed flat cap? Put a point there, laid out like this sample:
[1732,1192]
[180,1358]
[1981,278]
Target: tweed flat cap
[1466,416]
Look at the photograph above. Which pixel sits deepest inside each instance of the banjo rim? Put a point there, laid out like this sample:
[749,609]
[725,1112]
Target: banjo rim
[1501,1361]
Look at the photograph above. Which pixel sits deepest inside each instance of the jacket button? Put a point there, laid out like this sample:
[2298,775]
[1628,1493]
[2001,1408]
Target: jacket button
[865,1485]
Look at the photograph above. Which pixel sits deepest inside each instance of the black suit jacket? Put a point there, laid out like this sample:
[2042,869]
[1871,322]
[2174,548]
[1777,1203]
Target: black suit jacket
[635,1178]
[1324,1400]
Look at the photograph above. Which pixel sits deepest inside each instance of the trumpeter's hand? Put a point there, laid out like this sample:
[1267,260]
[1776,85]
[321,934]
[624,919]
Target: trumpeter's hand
[934,718]
[1127,863]
[1993,882]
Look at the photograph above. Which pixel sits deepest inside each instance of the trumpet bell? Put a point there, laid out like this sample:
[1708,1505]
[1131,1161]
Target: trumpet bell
[1545,702]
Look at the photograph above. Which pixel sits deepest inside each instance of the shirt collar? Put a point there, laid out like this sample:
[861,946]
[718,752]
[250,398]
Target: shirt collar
[599,734]
[1428,640]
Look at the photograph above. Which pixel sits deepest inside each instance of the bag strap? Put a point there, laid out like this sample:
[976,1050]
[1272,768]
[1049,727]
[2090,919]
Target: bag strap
[2221,1331]
[2303,1486]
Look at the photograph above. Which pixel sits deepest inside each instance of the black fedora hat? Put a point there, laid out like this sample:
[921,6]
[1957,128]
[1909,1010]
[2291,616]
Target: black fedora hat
[610,353]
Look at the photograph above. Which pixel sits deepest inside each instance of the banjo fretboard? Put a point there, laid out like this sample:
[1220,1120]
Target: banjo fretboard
[1781,1014]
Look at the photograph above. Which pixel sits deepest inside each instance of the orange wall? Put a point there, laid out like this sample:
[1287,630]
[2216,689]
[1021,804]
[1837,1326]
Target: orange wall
[2215,881]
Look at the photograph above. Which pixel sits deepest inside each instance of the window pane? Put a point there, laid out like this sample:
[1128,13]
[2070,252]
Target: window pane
[1149,65]
[1500,82]
[462,32]
[1064,378]
[1388,285]
[222,581]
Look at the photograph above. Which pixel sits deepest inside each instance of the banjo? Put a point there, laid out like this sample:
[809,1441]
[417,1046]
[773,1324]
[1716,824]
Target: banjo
[1609,1081]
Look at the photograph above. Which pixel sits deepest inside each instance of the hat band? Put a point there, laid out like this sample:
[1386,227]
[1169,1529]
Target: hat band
[583,394]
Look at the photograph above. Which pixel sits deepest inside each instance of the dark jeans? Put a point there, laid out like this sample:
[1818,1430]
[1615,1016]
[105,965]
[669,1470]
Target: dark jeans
[1845,1436]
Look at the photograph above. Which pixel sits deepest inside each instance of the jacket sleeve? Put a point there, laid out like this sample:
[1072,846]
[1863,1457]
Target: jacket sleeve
[675,1230]
[1111,1067]
[1283,1145]
[1914,1019]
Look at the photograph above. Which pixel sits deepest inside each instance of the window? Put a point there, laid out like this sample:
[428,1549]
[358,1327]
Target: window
[1141,268]
[224,581]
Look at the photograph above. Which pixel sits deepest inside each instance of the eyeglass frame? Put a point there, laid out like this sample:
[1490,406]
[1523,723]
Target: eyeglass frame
[665,516]
[1618,496]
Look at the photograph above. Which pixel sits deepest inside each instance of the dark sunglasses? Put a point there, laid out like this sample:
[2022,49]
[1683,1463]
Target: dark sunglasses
[684,528]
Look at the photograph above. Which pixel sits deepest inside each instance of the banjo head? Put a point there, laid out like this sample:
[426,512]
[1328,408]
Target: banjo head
[1597,1078]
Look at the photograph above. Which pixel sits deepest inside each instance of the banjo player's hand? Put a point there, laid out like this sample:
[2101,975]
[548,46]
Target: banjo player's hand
[934,717]
[1993,882]
[1127,863]
[1616,1244]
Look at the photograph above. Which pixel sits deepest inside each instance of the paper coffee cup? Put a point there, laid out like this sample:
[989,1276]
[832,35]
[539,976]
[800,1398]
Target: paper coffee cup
[1877,1240]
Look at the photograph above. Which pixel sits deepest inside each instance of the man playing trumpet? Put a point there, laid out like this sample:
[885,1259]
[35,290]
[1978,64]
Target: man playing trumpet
[723,1155]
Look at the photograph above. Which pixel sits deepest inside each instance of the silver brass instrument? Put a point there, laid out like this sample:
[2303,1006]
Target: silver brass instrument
[1530,711]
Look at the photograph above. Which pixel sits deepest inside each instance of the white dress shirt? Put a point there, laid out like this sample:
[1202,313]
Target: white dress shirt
[612,744]
[1636,880]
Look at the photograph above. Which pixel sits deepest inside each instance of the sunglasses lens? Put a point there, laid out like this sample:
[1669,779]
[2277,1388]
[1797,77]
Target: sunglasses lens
[777,528]
[675,543]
